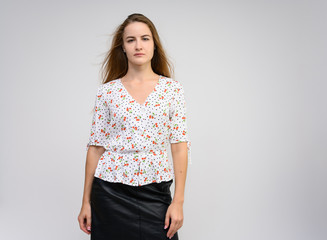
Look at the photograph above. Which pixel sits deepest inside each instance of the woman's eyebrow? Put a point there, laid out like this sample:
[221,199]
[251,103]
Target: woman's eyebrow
[141,36]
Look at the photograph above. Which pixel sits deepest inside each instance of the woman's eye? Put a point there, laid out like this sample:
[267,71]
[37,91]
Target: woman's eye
[133,39]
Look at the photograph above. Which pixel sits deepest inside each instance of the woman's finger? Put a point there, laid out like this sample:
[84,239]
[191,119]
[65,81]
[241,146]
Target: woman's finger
[167,219]
[81,221]
[88,223]
[172,229]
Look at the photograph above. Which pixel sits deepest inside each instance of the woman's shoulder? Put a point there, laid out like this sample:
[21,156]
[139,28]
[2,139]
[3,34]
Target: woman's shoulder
[176,85]
[109,84]
[112,82]
[106,87]
[173,82]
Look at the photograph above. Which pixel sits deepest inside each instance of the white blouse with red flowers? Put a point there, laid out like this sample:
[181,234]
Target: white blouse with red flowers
[136,136]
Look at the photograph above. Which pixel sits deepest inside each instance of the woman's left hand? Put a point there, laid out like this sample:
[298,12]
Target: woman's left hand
[175,213]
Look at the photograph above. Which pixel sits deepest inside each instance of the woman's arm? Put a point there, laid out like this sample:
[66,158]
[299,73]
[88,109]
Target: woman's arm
[179,154]
[175,210]
[92,157]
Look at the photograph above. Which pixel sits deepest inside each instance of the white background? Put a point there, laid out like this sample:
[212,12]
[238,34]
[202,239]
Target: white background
[254,74]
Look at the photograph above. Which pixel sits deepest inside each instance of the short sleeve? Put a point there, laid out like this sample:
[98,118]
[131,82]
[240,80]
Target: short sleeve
[100,121]
[178,120]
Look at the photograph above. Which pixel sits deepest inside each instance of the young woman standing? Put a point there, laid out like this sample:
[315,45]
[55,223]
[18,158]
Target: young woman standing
[139,110]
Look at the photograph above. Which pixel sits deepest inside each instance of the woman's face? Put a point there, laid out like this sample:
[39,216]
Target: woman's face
[137,39]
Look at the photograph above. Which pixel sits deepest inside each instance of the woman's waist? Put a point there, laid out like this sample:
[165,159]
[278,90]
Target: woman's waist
[137,156]
[114,149]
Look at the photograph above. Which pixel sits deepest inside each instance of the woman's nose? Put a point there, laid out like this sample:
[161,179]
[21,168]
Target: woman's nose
[138,44]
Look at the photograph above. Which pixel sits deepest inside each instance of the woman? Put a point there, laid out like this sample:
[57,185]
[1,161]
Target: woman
[139,109]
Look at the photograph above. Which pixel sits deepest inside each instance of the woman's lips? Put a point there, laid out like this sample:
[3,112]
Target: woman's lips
[138,54]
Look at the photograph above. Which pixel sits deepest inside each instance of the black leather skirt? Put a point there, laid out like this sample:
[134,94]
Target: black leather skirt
[124,212]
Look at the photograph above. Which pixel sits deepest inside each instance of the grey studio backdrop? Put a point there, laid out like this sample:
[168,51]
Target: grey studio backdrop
[255,81]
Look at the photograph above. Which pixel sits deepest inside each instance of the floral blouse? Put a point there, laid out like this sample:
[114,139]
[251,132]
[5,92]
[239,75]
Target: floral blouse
[136,136]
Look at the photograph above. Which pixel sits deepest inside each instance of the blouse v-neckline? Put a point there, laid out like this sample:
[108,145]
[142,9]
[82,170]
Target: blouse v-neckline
[152,92]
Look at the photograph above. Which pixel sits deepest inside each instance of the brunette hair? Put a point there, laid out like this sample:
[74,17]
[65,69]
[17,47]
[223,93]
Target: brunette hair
[115,64]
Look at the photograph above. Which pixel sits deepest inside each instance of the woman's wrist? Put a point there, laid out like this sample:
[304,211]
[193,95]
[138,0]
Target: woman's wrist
[178,200]
[86,201]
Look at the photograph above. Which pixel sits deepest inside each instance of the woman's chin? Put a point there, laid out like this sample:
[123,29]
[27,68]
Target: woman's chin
[140,63]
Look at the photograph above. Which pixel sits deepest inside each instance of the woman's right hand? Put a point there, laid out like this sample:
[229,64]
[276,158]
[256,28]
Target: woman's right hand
[84,218]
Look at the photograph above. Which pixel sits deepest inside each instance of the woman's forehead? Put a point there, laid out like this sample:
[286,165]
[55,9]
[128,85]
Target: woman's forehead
[137,29]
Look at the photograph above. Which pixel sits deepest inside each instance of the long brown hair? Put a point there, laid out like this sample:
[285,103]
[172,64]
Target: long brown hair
[115,64]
